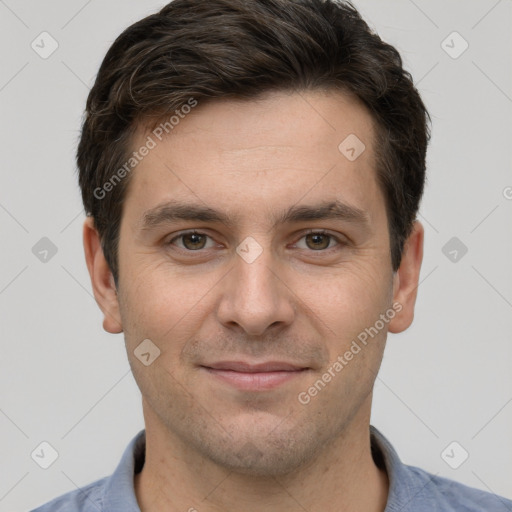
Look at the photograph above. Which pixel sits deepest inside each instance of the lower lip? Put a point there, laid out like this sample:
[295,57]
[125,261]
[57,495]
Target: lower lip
[255,381]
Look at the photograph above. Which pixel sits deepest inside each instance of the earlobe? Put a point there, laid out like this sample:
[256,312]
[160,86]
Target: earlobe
[102,281]
[406,280]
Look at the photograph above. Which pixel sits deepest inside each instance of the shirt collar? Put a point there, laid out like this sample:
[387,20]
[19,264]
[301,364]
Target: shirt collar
[119,493]
[403,485]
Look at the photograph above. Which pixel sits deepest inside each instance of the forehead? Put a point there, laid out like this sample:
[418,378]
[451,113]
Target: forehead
[272,150]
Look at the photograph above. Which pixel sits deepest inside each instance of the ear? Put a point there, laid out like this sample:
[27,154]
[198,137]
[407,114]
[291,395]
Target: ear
[102,280]
[406,280]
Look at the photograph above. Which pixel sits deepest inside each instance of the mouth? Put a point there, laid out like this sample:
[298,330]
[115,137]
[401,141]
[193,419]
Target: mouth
[255,377]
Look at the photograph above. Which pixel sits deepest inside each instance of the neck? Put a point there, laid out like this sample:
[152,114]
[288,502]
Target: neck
[342,477]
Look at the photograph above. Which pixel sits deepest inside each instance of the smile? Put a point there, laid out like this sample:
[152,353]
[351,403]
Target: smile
[255,377]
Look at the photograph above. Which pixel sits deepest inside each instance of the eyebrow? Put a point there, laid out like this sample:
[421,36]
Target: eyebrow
[175,211]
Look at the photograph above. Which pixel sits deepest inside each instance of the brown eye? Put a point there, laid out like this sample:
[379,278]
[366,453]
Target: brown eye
[318,241]
[192,241]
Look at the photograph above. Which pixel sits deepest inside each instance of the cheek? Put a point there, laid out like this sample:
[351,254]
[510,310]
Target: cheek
[349,299]
[163,306]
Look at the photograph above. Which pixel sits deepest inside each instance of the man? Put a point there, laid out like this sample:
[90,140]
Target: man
[252,171]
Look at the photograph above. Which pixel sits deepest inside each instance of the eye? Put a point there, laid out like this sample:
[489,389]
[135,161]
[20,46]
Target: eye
[192,241]
[318,241]
[196,241]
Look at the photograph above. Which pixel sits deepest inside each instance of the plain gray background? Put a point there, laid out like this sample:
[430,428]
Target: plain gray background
[67,382]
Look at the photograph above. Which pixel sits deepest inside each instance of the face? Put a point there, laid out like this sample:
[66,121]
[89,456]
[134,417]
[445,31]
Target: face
[253,254]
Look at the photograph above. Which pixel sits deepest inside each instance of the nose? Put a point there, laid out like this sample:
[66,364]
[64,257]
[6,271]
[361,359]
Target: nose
[255,298]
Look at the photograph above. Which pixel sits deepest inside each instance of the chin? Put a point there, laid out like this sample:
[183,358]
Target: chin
[273,450]
[262,461]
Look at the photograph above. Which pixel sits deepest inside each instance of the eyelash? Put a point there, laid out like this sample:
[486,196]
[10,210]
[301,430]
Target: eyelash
[339,243]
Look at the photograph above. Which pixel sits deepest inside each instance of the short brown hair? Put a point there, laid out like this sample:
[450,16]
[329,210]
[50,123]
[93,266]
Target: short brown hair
[208,49]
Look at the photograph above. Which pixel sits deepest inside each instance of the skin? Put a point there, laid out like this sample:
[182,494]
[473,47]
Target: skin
[212,446]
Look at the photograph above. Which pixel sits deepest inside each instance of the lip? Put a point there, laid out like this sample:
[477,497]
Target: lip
[255,377]
[243,367]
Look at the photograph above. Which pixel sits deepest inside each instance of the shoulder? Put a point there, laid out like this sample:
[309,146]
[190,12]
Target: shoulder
[436,493]
[413,489]
[86,499]
[109,494]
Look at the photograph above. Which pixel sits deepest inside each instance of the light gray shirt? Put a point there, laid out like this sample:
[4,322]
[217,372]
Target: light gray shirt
[411,489]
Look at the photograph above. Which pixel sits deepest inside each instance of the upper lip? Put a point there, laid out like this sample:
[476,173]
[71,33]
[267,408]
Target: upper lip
[242,366]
